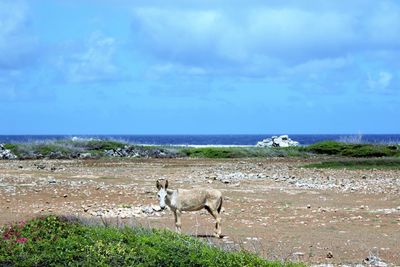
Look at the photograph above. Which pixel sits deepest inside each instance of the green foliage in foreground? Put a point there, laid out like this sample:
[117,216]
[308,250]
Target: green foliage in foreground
[51,241]
[243,152]
[354,150]
[380,164]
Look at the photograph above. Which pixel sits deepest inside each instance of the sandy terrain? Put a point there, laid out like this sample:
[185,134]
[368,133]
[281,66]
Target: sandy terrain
[273,207]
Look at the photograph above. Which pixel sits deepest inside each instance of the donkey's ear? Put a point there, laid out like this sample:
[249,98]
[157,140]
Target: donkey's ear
[166,184]
[158,184]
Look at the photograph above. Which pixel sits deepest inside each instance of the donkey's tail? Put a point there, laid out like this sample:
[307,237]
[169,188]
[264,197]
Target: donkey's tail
[220,205]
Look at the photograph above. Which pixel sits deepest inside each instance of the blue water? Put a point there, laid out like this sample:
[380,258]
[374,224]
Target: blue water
[303,139]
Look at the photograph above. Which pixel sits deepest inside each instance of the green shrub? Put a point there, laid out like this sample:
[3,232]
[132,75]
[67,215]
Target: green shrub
[368,151]
[327,147]
[12,147]
[51,241]
[47,149]
[103,145]
[211,152]
[354,150]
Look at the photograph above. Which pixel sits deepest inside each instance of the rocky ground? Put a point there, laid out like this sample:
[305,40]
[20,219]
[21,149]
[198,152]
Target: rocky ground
[273,207]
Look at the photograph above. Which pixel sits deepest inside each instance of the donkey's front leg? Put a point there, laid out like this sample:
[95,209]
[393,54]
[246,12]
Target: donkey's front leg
[218,226]
[178,224]
[217,218]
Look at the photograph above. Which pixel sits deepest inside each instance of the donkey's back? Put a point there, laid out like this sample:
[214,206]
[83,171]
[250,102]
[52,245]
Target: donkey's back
[197,199]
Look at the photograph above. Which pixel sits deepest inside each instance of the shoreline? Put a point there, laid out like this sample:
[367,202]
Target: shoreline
[200,140]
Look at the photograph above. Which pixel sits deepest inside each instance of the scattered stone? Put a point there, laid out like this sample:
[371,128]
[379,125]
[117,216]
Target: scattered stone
[85,155]
[40,166]
[375,261]
[298,255]
[56,155]
[156,208]
[147,209]
[52,181]
[329,255]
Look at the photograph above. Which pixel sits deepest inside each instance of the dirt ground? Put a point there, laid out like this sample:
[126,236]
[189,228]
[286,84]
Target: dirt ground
[273,207]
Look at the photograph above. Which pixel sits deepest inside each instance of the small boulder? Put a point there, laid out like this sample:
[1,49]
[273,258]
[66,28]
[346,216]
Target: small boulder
[85,155]
[6,153]
[147,209]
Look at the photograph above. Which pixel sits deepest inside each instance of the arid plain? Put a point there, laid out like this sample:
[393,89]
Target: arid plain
[272,206]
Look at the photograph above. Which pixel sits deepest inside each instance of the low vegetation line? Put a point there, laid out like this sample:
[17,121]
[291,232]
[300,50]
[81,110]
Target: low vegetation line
[55,241]
[359,164]
[243,152]
[67,149]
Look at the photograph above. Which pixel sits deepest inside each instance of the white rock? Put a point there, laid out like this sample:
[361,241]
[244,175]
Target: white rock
[277,141]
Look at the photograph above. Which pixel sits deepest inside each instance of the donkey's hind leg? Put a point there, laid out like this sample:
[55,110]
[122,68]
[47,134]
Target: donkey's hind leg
[217,218]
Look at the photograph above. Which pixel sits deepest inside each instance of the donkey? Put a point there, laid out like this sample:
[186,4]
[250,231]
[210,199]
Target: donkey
[190,200]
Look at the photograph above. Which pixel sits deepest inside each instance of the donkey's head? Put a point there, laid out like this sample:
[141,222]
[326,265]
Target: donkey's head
[162,186]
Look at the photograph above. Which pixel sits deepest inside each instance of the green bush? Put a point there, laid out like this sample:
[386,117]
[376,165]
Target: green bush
[327,147]
[211,152]
[52,241]
[243,152]
[12,147]
[354,150]
[103,145]
[47,149]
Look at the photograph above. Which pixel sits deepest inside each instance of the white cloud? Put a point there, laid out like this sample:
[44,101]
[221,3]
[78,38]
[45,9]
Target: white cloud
[266,40]
[12,17]
[96,62]
[161,70]
[244,34]
[17,46]
[382,26]
[380,81]
[18,51]
[320,65]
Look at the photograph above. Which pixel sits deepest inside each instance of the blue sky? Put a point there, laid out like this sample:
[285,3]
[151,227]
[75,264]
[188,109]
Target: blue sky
[199,67]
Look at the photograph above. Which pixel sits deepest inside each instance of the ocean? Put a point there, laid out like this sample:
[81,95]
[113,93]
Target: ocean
[204,140]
